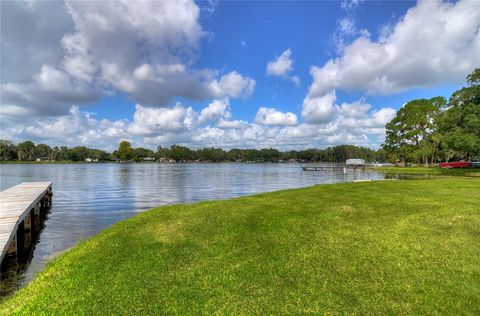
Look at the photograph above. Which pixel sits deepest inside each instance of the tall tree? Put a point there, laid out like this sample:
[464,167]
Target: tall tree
[412,134]
[8,151]
[26,151]
[460,123]
[43,151]
[125,151]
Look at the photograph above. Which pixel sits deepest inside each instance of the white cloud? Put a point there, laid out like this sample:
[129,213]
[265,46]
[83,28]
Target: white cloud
[321,109]
[353,123]
[87,49]
[233,85]
[271,116]
[49,92]
[350,4]
[282,66]
[30,35]
[151,121]
[235,124]
[434,43]
[215,111]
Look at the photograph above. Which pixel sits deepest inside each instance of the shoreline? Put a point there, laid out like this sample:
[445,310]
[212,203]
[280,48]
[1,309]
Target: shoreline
[240,237]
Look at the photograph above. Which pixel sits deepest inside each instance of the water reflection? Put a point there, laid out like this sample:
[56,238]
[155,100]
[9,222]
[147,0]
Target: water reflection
[90,197]
[14,267]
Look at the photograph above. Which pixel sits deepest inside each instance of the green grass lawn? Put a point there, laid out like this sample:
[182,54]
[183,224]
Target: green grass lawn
[473,172]
[386,247]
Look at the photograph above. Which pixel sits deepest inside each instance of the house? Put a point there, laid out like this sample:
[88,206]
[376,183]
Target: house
[44,159]
[148,158]
[355,162]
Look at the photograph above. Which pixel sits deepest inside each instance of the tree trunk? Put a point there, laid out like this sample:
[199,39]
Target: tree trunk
[425,161]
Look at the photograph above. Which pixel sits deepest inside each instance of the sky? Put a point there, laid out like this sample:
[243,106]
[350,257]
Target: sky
[229,74]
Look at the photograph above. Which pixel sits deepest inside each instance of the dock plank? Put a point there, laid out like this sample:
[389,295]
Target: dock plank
[15,203]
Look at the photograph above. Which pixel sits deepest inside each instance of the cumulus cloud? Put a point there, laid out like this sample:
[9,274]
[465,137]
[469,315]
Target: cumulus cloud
[151,121]
[88,49]
[50,91]
[73,129]
[271,116]
[30,35]
[435,42]
[215,111]
[233,85]
[282,66]
[320,109]
[354,123]
[323,110]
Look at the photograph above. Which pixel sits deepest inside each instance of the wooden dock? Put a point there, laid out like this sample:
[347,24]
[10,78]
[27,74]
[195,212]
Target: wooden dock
[19,205]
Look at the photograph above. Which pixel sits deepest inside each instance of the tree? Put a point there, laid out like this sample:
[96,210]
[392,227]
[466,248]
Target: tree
[8,151]
[139,153]
[42,150]
[125,151]
[180,153]
[26,151]
[459,125]
[412,134]
[79,153]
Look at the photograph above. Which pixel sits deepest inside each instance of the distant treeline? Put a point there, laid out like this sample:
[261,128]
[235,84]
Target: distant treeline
[28,151]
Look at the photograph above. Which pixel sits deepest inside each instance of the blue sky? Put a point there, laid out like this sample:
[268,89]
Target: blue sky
[228,74]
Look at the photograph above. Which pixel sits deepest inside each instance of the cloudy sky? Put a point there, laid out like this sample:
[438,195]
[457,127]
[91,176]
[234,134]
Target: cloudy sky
[226,74]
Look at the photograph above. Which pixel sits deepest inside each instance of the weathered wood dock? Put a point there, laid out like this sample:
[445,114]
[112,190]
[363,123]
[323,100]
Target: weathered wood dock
[19,205]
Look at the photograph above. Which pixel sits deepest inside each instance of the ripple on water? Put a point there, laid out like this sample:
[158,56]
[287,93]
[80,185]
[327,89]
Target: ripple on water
[90,197]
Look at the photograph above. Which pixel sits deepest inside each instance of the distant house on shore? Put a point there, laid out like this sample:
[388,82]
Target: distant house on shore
[148,158]
[91,160]
[44,159]
[355,162]
[163,159]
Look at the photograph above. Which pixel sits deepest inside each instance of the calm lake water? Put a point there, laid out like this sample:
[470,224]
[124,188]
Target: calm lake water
[89,197]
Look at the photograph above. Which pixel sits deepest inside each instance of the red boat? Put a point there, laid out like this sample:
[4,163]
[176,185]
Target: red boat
[455,164]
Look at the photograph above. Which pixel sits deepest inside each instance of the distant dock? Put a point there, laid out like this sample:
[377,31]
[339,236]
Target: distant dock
[20,209]
[344,168]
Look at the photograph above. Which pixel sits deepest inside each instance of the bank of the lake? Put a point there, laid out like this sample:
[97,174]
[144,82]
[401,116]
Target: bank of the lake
[386,247]
[473,172]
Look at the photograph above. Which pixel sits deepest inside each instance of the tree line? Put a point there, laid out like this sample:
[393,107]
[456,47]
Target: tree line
[28,151]
[426,131]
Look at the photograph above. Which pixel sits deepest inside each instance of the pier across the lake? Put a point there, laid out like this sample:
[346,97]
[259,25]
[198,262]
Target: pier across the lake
[344,168]
[20,206]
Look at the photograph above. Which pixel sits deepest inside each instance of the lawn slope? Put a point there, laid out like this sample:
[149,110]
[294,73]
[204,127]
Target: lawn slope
[387,247]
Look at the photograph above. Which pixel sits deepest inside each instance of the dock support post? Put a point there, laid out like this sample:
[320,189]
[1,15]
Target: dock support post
[36,210]
[27,221]
[12,248]
[27,231]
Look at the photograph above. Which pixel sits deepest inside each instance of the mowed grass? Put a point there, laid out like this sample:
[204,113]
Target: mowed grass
[471,172]
[387,247]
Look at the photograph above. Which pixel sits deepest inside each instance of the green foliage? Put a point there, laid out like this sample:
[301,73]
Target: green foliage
[412,133]
[431,129]
[372,248]
[139,153]
[26,151]
[125,151]
[8,151]
[460,123]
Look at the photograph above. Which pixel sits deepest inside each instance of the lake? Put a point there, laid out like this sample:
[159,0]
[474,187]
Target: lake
[89,197]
